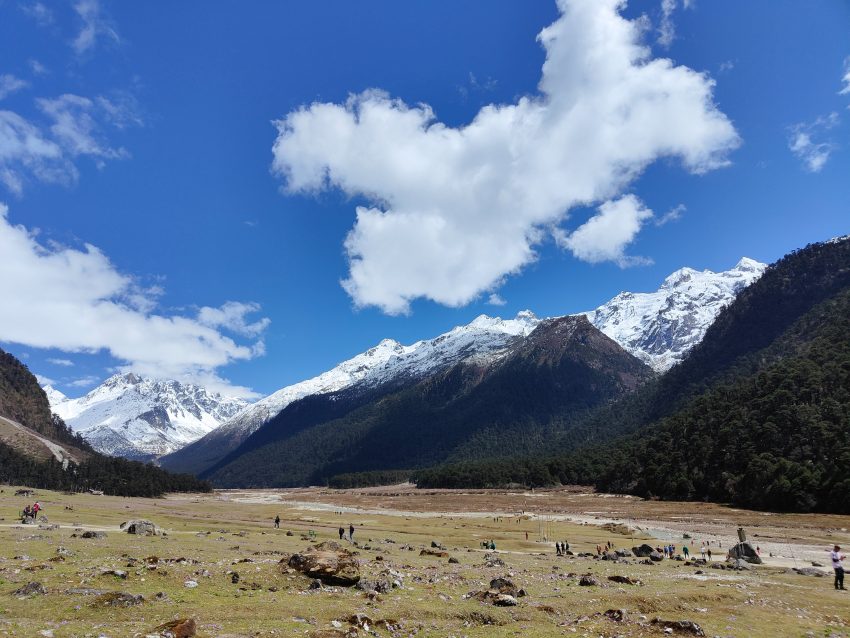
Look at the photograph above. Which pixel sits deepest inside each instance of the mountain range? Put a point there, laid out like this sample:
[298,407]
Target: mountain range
[192,429]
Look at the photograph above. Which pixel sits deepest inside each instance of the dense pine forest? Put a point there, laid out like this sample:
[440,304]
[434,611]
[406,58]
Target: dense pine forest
[757,416]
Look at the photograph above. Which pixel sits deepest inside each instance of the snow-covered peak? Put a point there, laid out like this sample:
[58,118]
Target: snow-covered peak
[134,416]
[661,327]
[54,396]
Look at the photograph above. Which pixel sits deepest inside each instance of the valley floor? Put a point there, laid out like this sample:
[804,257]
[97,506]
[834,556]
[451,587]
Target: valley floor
[232,530]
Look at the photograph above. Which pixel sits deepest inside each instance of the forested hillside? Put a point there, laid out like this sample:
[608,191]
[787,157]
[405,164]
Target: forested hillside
[564,368]
[758,416]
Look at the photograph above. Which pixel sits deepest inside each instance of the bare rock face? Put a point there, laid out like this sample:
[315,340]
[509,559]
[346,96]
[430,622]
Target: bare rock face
[329,562]
[30,589]
[118,599]
[180,628]
[140,527]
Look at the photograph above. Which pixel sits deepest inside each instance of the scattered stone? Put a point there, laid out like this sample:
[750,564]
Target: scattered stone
[30,589]
[809,571]
[234,578]
[623,553]
[589,580]
[688,627]
[656,556]
[453,560]
[118,573]
[816,564]
[190,584]
[94,534]
[624,580]
[437,545]
[289,533]
[316,584]
[617,615]
[329,562]
[139,527]
[180,628]
[434,552]
[118,599]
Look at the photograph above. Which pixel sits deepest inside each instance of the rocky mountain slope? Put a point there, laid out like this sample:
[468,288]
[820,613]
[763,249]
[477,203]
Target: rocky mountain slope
[140,418]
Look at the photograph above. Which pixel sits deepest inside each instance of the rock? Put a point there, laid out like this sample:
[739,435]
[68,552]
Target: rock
[234,578]
[437,545]
[623,553]
[656,556]
[505,600]
[118,573]
[180,628]
[139,527]
[589,580]
[688,627]
[745,551]
[624,580]
[329,562]
[816,564]
[453,560]
[739,564]
[190,584]
[30,589]
[643,551]
[316,584]
[289,533]
[118,599]
[809,571]
[91,534]
[434,552]
[617,615]
[609,556]
[504,586]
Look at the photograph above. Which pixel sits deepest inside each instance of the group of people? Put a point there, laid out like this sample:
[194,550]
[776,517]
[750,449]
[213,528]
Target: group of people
[561,549]
[491,544]
[30,512]
[350,532]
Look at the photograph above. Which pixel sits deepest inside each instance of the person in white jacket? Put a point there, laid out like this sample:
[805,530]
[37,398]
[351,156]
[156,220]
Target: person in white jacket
[837,557]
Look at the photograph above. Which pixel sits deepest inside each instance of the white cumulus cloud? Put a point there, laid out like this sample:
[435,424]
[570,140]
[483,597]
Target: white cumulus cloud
[455,210]
[77,301]
[605,236]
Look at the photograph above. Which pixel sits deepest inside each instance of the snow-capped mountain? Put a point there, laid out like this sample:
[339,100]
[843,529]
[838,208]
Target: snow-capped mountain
[54,397]
[485,338]
[660,327]
[142,418]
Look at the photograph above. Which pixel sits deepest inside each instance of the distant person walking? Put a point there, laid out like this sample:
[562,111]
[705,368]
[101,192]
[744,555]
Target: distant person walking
[686,551]
[277,521]
[351,533]
[702,551]
[837,557]
[709,554]
[341,533]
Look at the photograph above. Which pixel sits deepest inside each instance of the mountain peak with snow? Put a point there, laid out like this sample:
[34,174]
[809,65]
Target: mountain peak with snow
[137,417]
[661,327]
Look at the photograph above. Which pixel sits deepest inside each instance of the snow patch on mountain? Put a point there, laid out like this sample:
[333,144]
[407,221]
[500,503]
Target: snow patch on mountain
[136,417]
[661,327]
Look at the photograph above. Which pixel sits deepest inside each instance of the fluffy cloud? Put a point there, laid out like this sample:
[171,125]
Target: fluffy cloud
[94,26]
[455,210]
[605,236]
[76,301]
[73,127]
[808,142]
[232,317]
[10,84]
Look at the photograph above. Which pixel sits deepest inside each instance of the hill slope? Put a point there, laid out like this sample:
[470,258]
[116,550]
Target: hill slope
[563,368]
[757,415]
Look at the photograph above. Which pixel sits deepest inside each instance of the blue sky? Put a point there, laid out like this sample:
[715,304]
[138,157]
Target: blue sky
[152,227]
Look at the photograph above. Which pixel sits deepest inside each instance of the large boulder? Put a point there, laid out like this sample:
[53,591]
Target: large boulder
[643,551]
[746,552]
[329,562]
[139,527]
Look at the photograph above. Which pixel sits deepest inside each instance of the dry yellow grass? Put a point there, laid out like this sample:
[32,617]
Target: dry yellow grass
[767,601]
